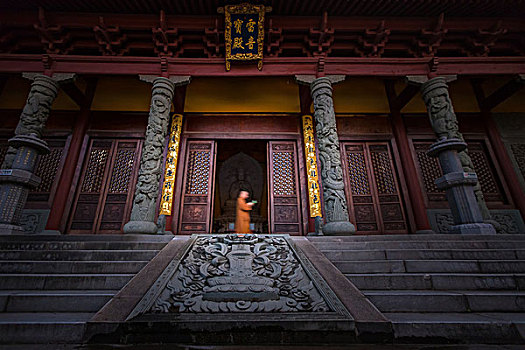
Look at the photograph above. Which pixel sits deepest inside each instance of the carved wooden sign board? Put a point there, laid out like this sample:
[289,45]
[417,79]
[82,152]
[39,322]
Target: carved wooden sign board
[232,278]
[244,32]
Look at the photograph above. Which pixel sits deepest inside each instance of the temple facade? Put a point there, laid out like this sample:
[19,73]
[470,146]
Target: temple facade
[154,120]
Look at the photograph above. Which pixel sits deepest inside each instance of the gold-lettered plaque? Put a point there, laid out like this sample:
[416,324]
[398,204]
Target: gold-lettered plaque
[311,167]
[244,33]
[171,166]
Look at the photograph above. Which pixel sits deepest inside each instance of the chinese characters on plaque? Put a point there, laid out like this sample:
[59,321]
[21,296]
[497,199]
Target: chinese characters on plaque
[311,167]
[244,33]
[171,166]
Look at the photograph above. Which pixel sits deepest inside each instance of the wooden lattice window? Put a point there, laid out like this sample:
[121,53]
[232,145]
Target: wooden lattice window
[48,169]
[430,170]
[373,192]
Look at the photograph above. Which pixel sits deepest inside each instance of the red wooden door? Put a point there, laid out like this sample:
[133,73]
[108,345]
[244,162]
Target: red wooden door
[107,185]
[283,188]
[372,188]
[197,194]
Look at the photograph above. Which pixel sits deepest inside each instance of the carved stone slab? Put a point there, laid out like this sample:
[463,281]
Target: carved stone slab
[263,277]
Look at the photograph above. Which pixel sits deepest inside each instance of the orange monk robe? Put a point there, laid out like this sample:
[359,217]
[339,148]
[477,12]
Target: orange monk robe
[242,221]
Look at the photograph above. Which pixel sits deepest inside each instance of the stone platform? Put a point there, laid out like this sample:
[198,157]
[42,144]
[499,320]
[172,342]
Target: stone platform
[239,289]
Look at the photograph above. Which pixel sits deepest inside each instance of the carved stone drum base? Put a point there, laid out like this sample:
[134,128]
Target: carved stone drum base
[338,228]
[140,227]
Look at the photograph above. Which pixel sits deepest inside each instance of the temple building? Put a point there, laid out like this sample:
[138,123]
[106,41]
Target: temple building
[386,138]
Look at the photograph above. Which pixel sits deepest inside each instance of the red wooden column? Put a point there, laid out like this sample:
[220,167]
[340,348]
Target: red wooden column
[486,104]
[179,98]
[400,135]
[73,154]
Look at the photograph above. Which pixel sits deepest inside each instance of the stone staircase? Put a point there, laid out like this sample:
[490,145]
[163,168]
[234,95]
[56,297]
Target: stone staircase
[439,288]
[50,286]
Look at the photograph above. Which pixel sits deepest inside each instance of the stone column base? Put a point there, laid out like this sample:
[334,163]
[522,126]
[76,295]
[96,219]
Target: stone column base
[338,228]
[141,227]
[7,229]
[475,229]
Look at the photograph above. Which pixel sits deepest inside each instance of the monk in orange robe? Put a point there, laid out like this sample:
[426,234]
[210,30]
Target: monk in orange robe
[242,220]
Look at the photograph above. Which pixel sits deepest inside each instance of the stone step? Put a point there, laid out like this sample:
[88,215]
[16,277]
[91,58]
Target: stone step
[426,254]
[75,245]
[428,266]
[465,328]
[87,238]
[323,246]
[78,255]
[54,301]
[415,237]
[56,267]
[42,328]
[437,281]
[447,301]
[63,281]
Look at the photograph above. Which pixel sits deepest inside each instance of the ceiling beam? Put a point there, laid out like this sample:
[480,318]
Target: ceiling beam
[488,103]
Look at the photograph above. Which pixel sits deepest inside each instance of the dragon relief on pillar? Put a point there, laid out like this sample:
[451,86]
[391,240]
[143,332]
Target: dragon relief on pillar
[445,124]
[35,112]
[147,189]
[239,273]
[329,156]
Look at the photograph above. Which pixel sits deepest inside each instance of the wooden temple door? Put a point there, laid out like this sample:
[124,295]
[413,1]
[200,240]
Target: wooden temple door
[197,194]
[106,188]
[283,188]
[372,188]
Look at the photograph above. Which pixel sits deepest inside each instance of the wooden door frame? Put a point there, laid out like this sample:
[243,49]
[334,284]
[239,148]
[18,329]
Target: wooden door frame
[195,136]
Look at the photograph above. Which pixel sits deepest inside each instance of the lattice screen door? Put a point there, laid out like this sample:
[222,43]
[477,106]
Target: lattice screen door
[283,185]
[373,191]
[197,195]
[107,185]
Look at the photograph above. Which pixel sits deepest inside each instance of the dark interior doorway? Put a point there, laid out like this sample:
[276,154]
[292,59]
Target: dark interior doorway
[241,165]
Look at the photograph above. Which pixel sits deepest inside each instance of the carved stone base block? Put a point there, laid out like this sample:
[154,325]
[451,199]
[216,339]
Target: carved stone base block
[509,221]
[34,221]
[338,228]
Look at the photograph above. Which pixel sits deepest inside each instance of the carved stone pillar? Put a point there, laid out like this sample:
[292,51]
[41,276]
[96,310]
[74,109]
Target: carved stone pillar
[35,113]
[459,180]
[142,219]
[336,210]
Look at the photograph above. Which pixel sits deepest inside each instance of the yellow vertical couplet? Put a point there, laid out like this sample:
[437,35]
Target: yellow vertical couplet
[311,167]
[171,166]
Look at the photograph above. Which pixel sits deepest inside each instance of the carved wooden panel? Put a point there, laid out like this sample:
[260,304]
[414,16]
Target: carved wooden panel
[429,170]
[285,213]
[518,151]
[373,190]
[196,211]
[103,201]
